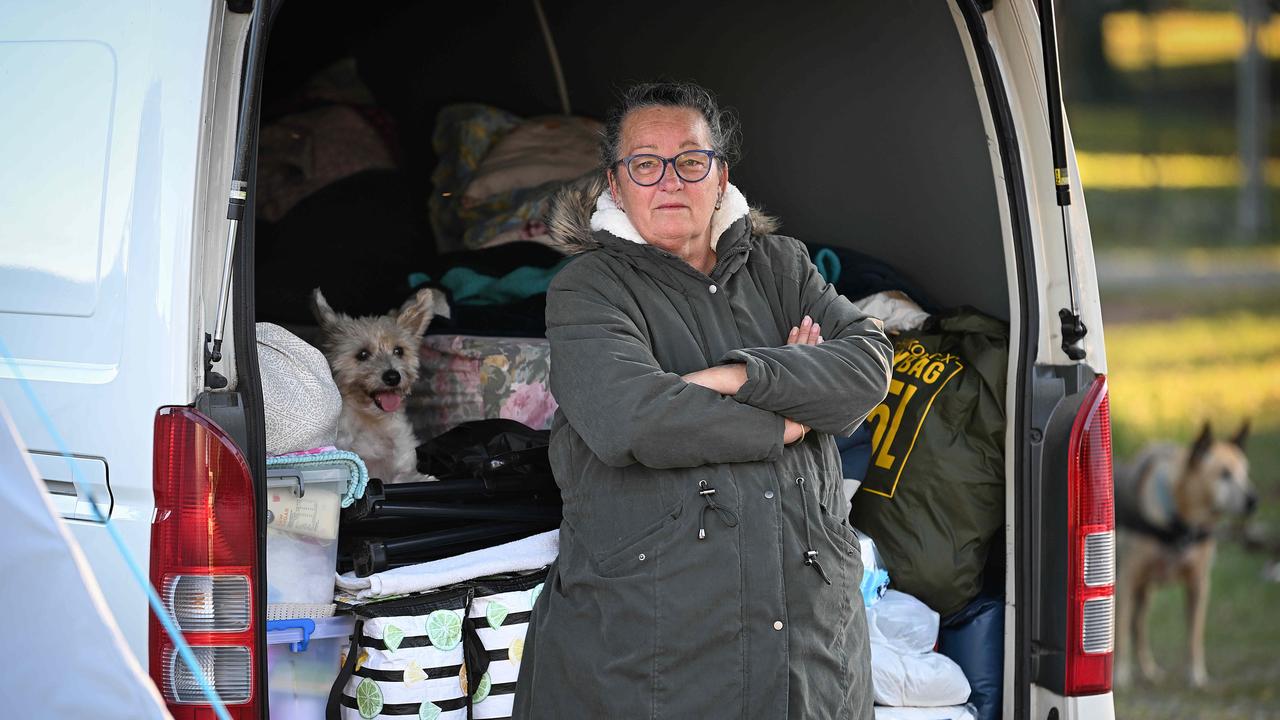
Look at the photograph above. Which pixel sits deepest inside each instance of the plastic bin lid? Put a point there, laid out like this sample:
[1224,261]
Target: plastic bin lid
[299,632]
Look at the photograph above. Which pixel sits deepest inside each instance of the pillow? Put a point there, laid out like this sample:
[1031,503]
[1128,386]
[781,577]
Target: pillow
[538,151]
[469,377]
[301,403]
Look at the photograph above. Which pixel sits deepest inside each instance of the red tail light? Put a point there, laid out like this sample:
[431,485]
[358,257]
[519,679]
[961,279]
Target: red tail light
[204,559]
[1091,525]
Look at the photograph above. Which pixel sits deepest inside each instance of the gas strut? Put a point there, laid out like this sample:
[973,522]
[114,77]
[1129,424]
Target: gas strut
[239,190]
[1073,329]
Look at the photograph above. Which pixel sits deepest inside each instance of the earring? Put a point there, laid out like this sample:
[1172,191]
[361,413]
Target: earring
[719,200]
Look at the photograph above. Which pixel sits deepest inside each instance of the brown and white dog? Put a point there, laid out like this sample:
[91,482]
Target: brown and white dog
[375,363]
[1169,501]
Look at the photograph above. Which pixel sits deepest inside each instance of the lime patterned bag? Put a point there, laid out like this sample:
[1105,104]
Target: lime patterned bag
[450,654]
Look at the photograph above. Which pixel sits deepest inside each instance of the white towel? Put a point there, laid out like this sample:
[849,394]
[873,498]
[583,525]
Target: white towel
[530,553]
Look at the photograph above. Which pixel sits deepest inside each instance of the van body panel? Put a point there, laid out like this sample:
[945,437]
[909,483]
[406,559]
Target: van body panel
[229,35]
[1085,707]
[1017,333]
[1013,28]
[1013,32]
[1011,40]
[110,235]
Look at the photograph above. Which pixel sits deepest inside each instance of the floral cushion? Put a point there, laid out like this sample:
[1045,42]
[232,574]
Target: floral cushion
[467,377]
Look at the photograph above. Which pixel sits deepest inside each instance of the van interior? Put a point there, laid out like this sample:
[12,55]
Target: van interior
[861,129]
[860,126]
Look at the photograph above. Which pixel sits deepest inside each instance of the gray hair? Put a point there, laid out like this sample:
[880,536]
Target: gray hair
[723,124]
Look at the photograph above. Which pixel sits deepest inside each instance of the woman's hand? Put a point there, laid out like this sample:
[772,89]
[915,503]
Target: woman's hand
[724,379]
[808,333]
[728,379]
[792,431]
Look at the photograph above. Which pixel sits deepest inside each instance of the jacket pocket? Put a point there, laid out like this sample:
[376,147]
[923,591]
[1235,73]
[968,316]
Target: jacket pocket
[841,532]
[638,547]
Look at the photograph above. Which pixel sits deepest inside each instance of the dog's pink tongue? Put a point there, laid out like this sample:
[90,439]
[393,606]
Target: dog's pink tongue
[388,401]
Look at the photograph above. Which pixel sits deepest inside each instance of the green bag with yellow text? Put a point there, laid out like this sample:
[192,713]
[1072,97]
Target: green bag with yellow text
[933,497]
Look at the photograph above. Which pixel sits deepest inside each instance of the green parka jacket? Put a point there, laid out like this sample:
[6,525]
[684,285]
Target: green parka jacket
[669,600]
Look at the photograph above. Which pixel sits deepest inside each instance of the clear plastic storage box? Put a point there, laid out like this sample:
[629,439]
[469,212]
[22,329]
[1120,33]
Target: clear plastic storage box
[303,506]
[303,660]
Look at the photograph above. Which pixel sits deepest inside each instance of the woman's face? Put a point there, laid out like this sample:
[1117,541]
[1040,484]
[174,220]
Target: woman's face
[674,215]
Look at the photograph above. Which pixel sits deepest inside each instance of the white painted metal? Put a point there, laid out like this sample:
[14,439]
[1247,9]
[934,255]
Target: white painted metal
[1087,707]
[106,117]
[1013,31]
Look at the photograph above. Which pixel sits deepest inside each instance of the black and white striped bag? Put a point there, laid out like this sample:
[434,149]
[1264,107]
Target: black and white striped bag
[417,656]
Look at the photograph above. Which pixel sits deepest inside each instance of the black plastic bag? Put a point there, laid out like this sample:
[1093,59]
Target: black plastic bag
[490,450]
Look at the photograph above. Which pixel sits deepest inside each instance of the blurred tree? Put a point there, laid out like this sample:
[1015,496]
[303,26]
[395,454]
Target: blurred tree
[1088,77]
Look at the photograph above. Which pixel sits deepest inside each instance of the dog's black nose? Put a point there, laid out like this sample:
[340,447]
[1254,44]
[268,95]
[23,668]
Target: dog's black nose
[391,377]
[1250,503]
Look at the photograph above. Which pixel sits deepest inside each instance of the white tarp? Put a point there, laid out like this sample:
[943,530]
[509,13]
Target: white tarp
[69,659]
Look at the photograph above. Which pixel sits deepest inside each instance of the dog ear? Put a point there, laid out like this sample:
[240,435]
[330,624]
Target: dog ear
[1201,446]
[415,315]
[321,310]
[1241,435]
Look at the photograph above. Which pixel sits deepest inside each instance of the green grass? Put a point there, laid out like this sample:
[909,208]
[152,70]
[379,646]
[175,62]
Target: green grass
[1241,641]
[1167,376]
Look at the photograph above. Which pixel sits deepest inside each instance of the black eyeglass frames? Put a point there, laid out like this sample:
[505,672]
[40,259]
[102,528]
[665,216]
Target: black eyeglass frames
[647,169]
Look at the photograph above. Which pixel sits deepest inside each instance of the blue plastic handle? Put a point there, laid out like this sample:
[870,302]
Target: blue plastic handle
[307,626]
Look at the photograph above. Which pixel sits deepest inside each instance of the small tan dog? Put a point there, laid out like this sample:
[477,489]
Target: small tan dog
[375,363]
[1169,501]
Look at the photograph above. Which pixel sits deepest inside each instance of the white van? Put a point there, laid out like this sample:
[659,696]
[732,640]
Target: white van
[916,132]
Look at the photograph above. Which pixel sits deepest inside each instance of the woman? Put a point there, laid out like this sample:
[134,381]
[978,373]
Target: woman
[702,366]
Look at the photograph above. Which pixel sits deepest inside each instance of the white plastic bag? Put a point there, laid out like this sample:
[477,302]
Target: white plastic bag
[952,712]
[920,680]
[904,669]
[903,622]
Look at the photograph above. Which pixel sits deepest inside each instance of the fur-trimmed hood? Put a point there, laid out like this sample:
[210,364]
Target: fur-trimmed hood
[583,208]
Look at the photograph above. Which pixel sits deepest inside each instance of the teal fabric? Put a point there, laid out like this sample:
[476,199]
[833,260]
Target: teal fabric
[469,287]
[349,460]
[828,264]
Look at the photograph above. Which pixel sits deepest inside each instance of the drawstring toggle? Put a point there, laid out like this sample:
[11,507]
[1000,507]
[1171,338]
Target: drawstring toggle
[810,555]
[727,516]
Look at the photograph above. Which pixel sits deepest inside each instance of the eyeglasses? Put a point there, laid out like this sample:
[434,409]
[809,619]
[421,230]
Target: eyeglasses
[646,169]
